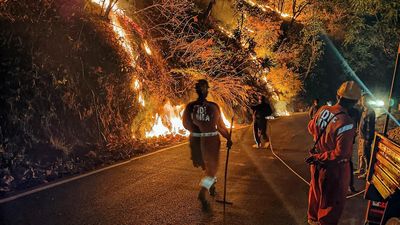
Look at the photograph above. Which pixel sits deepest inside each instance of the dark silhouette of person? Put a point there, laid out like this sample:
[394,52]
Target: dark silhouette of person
[203,119]
[260,112]
[314,108]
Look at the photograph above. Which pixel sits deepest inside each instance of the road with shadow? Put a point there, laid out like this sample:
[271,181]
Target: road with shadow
[162,189]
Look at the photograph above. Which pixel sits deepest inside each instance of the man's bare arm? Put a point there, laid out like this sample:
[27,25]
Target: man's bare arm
[222,129]
[187,120]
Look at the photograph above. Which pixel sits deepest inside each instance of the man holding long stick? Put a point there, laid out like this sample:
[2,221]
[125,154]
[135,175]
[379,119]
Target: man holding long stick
[203,119]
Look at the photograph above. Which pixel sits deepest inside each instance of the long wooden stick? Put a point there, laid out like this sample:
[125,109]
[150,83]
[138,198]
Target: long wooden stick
[226,168]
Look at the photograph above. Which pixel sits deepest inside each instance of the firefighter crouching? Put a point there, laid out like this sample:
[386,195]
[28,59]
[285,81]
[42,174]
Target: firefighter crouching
[333,130]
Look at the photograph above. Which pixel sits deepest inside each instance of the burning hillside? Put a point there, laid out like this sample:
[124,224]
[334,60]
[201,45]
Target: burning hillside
[80,90]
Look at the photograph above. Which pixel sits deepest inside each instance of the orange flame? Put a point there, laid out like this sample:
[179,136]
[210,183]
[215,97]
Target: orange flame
[147,48]
[172,122]
[158,128]
[226,122]
[279,105]
[141,99]
[135,84]
[265,7]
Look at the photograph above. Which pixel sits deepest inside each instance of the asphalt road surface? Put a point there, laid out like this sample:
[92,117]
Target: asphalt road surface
[162,188]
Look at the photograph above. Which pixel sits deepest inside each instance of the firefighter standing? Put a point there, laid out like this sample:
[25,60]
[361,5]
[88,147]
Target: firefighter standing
[366,137]
[314,108]
[355,114]
[203,119]
[260,113]
[330,167]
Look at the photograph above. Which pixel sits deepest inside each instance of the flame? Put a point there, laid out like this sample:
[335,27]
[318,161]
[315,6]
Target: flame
[253,57]
[172,122]
[119,31]
[147,48]
[279,105]
[251,2]
[141,99]
[282,113]
[225,31]
[158,128]
[123,41]
[226,122]
[172,114]
[115,8]
[264,8]
[249,30]
[264,78]
[135,84]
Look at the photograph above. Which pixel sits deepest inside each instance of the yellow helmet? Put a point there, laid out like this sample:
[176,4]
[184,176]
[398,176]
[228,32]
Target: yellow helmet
[349,90]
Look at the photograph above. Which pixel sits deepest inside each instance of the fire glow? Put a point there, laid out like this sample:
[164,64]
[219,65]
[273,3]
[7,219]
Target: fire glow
[226,122]
[147,48]
[170,121]
[267,7]
[279,106]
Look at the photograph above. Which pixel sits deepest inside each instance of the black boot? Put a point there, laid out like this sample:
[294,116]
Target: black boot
[205,205]
[213,191]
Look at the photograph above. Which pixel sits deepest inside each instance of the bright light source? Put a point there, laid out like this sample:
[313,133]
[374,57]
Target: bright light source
[379,103]
[376,103]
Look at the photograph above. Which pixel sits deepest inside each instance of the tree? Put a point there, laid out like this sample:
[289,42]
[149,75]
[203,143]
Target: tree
[298,8]
[190,52]
[285,82]
[312,43]
[369,42]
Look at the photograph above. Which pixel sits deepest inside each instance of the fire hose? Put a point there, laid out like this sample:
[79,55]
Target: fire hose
[297,174]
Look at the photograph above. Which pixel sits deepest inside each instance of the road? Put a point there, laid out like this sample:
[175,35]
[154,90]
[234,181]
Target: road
[162,189]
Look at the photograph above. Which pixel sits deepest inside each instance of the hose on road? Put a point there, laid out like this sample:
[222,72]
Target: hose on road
[297,174]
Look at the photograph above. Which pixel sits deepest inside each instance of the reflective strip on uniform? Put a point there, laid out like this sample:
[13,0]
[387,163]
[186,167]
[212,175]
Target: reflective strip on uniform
[207,182]
[345,128]
[209,134]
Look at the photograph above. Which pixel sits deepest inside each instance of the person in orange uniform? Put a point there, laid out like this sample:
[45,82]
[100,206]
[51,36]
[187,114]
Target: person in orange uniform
[203,119]
[329,160]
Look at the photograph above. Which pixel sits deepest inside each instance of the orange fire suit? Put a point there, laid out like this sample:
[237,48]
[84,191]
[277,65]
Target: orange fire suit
[330,180]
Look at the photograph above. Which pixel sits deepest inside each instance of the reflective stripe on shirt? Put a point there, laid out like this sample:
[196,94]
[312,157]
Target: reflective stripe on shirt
[345,128]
